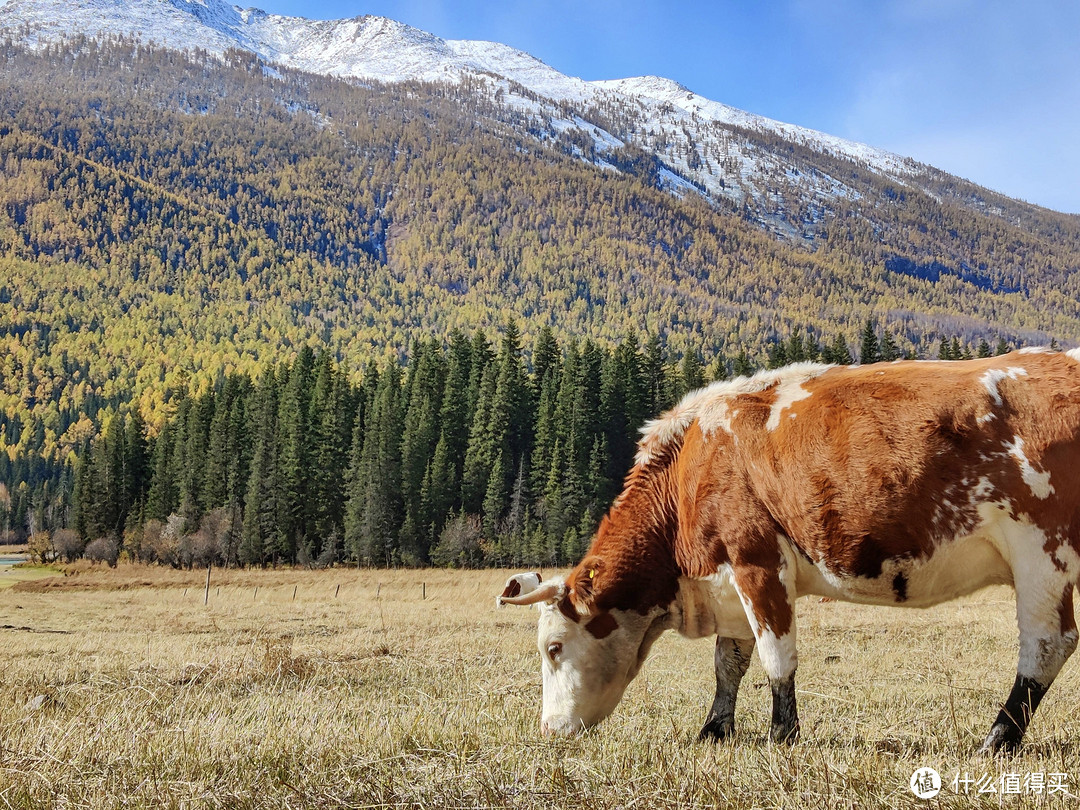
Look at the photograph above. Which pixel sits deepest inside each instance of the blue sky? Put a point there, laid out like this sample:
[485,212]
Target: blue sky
[986,89]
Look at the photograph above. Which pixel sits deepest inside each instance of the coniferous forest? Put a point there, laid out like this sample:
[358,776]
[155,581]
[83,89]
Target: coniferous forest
[468,456]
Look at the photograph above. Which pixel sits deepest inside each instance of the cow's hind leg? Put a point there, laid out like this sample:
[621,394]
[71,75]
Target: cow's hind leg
[732,658]
[1047,638]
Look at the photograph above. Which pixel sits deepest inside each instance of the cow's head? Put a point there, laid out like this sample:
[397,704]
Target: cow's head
[589,652]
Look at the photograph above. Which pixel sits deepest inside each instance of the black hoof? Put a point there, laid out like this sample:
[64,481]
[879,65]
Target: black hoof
[785,734]
[716,729]
[1002,739]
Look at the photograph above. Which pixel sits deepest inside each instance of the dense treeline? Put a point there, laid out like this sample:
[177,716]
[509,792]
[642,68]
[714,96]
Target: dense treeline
[464,457]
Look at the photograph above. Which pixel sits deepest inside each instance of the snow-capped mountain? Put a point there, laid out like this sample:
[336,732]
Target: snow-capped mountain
[724,153]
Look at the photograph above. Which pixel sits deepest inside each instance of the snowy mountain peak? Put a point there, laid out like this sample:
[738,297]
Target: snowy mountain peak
[701,144]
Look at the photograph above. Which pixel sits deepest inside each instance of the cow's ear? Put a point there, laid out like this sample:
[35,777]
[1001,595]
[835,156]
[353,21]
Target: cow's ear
[586,580]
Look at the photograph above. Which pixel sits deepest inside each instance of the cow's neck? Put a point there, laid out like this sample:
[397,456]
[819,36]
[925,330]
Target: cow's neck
[636,543]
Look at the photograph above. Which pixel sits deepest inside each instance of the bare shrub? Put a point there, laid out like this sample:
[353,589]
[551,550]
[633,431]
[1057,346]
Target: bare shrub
[147,548]
[68,544]
[161,542]
[328,556]
[461,543]
[104,549]
[199,549]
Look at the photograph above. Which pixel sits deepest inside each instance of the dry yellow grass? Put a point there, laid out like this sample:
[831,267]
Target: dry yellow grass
[121,689]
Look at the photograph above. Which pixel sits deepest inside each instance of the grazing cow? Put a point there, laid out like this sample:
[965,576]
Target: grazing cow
[906,483]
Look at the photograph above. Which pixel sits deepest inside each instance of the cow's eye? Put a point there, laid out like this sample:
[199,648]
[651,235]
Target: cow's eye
[554,648]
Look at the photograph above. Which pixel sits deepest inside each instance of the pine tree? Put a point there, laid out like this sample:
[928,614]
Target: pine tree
[496,499]
[622,411]
[356,474]
[216,471]
[797,350]
[776,356]
[546,432]
[838,352]
[691,372]
[718,369]
[114,480]
[328,457]
[545,355]
[743,366]
[658,394]
[1002,347]
[889,350]
[161,500]
[448,459]
[418,445]
[260,525]
[983,349]
[376,520]
[293,462]
[478,455]
[869,351]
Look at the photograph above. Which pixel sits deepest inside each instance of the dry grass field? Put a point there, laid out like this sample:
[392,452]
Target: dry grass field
[345,688]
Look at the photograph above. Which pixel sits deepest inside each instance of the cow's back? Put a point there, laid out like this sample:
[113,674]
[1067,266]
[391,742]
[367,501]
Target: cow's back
[865,467]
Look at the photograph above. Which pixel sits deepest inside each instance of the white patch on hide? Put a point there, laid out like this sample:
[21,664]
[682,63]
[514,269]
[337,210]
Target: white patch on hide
[1038,482]
[1039,586]
[710,606]
[994,376]
[787,394]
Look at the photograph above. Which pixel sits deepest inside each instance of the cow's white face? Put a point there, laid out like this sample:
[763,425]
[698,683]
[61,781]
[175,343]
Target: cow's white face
[587,664]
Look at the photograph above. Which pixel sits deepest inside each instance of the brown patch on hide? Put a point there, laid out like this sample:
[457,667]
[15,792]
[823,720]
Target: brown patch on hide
[603,625]
[1067,621]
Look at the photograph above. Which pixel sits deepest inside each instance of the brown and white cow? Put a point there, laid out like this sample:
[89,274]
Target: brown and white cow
[906,483]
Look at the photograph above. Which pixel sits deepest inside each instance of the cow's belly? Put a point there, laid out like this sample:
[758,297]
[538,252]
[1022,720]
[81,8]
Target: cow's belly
[955,569]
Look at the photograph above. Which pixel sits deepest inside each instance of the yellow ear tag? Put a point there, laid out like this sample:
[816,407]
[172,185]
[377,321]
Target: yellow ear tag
[592,573]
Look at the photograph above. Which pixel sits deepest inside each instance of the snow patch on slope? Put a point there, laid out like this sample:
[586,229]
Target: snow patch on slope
[657,91]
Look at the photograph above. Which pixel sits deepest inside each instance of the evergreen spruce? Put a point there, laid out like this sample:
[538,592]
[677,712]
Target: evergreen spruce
[869,349]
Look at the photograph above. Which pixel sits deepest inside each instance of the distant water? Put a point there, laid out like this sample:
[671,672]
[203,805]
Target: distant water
[8,560]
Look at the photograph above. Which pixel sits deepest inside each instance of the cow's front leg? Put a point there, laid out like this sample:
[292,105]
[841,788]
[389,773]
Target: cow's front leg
[1047,638]
[768,597]
[732,658]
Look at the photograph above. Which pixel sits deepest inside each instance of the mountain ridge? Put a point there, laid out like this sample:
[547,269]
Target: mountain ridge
[382,49]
